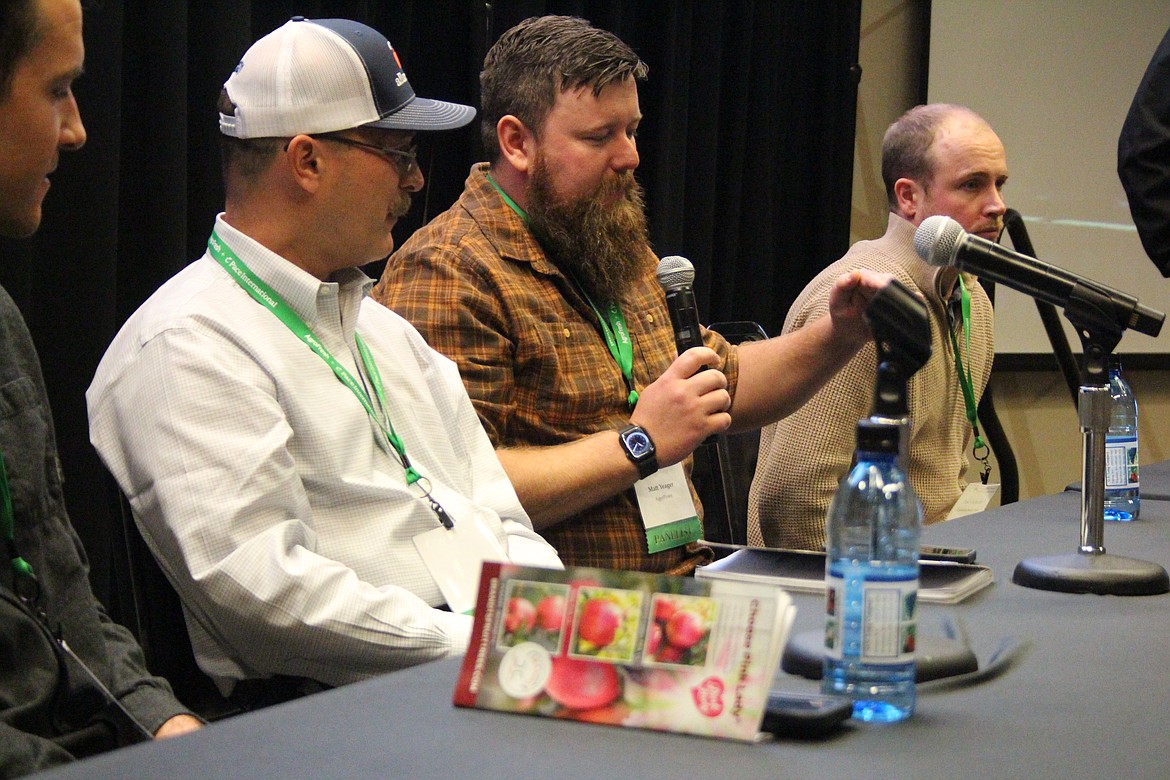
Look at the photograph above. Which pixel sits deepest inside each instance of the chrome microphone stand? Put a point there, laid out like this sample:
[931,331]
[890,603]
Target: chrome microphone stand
[1090,569]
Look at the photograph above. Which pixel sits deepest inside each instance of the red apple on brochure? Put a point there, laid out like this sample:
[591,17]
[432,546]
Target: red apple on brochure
[664,609]
[599,622]
[550,612]
[684,629]
[582,685]
[669,654]
[654,640]
[520,616]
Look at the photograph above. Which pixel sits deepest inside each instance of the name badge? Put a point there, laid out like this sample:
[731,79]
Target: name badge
[455,556]
[974,499]
[668,513]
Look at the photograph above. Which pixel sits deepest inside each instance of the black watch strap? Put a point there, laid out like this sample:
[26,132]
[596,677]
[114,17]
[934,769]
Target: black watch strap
[639,448]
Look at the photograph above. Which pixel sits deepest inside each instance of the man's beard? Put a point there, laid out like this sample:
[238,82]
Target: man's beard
[598,241]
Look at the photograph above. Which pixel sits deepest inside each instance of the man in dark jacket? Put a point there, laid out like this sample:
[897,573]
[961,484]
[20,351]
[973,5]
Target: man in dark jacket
[72,682]
[1143,157]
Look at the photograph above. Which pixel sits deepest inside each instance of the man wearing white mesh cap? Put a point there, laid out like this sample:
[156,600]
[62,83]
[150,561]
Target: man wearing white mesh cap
[310,475]
[936,159]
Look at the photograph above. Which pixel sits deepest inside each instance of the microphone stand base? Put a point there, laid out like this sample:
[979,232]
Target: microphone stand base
[1100,573]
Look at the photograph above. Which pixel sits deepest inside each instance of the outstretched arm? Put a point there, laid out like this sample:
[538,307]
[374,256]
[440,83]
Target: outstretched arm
[777,376]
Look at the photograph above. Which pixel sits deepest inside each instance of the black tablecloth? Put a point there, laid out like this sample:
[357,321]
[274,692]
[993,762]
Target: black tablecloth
[1088,700]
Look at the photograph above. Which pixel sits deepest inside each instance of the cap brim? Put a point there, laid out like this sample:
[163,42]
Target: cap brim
[426,114]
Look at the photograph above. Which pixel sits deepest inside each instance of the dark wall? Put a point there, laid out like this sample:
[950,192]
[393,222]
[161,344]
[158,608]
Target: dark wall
[746,158]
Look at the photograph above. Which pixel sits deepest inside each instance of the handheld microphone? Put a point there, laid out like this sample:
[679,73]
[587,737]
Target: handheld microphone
[941,241]
[677,275]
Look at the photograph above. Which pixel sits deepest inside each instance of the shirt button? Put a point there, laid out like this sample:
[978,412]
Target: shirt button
[567,333]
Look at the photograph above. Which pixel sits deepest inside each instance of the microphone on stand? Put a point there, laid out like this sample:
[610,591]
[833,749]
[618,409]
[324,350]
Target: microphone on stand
[1100,314]
[941,241]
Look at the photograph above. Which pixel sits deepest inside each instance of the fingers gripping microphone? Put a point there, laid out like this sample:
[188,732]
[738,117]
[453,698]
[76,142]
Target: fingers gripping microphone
[942,241]
[677,277]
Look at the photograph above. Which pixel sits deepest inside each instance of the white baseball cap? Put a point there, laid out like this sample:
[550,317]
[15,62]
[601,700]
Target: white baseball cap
[323,75]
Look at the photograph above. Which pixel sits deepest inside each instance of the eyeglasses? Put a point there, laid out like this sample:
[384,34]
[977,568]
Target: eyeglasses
[405,160]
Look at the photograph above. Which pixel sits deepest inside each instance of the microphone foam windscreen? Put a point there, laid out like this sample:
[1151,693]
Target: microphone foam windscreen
[674,272]
[937,240]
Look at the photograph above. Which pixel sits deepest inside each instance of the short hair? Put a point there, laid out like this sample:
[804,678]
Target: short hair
[243,159]
[538,59]
[907,144]
[20,32]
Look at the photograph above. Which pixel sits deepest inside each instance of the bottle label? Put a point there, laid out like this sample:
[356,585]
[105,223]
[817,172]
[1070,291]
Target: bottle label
[1121,462]
[872,620]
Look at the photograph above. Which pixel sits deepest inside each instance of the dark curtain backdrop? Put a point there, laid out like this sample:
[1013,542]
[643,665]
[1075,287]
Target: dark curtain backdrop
[747,148]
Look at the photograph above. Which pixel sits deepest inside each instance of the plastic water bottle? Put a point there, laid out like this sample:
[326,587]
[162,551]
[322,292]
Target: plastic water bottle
[1122,501]
[871,605]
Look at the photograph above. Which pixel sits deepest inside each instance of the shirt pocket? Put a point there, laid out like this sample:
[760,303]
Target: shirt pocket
[570,381]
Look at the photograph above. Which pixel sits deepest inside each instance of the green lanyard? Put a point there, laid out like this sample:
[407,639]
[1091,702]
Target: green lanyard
[20,567]
[979,448]
[617,339]
[508,199]
[613,324]
[270,299]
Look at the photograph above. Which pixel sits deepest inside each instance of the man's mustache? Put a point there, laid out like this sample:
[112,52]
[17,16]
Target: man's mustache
[402,208]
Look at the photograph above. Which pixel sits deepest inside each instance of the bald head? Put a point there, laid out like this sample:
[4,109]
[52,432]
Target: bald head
[942,158]
[908,142]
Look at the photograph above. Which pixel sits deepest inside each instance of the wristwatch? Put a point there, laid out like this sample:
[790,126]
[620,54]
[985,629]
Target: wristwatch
[639,449]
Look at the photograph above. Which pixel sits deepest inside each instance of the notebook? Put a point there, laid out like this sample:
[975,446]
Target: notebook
[800,571]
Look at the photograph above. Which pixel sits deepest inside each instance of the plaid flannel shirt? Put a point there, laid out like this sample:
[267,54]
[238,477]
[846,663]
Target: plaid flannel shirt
[530,350]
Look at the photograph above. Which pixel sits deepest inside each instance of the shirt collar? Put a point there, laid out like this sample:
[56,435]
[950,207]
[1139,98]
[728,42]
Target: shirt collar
[941,280]
[509,234]
[302,291]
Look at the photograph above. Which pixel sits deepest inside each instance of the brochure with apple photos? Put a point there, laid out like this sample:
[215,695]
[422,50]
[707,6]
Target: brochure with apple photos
[625,649]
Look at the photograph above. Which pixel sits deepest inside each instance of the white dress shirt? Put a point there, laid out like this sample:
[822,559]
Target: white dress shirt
[271,499]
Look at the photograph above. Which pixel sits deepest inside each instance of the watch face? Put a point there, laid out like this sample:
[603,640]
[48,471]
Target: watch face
[638,443]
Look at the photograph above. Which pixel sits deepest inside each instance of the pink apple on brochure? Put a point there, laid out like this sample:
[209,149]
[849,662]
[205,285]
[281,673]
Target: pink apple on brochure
[550,612]
[664,609]
[654,640]
[520,615]
[669,654]
[684,629]
[582,685]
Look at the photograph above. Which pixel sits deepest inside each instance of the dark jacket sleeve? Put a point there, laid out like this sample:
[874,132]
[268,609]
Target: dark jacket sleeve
[26,753]
[1143,157]
[47,540]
